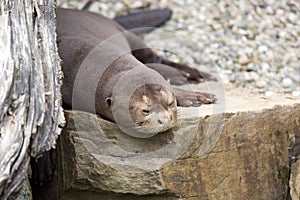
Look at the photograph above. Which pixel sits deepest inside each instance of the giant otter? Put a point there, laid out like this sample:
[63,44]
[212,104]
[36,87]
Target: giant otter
[108,70]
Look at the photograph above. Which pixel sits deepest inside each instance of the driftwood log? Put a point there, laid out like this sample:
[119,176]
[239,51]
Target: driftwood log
[30,103]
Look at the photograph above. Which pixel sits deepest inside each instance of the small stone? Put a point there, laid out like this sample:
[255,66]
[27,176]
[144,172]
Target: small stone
[119,6]
[201,17]
[280,12]
[296,93]
[260,84]
[244,60]
[251,67]
[137,4]
[265,66]
[296,77]
[286,82]
[250,36]
[270,10]
[234,29]
[251,76]
[191,27]
[242,32]
[229,62]
[262,48]
[216,26]
[295,64]
[282,33]
[269,93]
[248,50]
[292,17]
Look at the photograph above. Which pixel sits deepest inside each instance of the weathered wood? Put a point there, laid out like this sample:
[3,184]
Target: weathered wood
[30,101]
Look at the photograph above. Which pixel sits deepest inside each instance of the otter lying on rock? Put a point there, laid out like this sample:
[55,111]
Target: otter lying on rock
[111,72]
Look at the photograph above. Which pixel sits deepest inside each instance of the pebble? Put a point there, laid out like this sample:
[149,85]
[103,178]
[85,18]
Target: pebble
[251,76]
[296,76]
[292,17]
[262,48]
[244,60]
[265,67]
[252,67]
[269,93]
[260,84]
[296,93]
[286,82]
[254,44]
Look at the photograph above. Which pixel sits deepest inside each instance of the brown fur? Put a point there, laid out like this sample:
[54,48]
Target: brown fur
[104,73]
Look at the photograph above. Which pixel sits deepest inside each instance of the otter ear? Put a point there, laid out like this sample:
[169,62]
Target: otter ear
[109,101]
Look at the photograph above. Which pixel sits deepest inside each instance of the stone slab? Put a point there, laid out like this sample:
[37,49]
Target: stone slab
[236,149]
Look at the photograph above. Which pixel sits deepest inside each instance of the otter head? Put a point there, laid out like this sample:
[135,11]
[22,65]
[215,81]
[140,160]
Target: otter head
[151,109]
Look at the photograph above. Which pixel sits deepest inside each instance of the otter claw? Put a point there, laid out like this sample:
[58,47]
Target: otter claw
[188,98]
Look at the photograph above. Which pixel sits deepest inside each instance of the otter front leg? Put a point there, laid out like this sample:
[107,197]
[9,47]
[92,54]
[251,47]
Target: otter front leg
[190,98]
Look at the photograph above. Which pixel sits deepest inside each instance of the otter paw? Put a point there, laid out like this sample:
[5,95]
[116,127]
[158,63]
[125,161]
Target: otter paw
[189,98]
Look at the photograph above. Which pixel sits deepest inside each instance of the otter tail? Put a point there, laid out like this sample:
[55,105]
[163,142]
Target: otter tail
[145,20]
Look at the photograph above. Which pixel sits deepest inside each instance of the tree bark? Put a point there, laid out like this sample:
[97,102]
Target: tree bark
[30,102]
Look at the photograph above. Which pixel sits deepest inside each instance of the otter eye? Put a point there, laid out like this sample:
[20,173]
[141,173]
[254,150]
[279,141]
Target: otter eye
[171,104]
[109,101]
[146,111]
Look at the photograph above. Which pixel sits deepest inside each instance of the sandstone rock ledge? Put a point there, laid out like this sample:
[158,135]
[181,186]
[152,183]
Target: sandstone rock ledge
[236,149]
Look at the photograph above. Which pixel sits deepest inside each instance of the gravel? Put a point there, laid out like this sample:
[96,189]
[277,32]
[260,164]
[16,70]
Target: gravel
[250,44]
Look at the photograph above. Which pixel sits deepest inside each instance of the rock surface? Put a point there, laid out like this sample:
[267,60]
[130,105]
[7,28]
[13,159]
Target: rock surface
[295,167]
[295,180]
[236,149]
